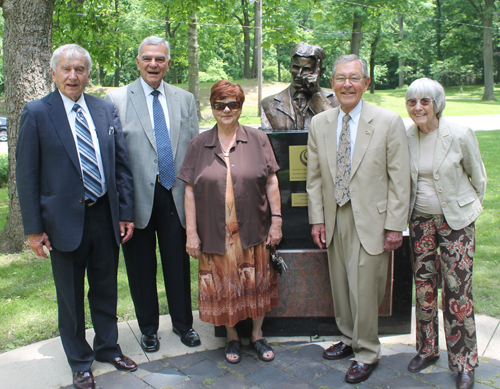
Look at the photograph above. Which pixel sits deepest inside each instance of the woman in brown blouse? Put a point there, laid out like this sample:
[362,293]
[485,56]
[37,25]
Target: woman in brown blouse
[233,211]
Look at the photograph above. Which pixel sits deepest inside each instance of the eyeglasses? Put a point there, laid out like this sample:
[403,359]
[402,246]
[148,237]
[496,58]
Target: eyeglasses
[221,106]
[352,79]
[423,102]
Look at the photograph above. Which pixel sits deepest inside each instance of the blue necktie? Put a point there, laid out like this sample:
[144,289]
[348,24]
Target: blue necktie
[88,160]
[163,145]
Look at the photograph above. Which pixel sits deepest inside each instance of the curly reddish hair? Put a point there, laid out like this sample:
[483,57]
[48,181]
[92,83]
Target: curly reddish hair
[224,88]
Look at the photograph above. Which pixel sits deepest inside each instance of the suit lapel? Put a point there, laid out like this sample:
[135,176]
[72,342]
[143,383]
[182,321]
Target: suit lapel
[102,129]
[138,99]
[57,113]
[413,146]
[331,141]
[442,145]
[174,110]
[363,137]
[285,102]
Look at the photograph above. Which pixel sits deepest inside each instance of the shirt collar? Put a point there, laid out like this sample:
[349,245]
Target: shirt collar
[148,89]
[69,104]
[355,112]
[241,136]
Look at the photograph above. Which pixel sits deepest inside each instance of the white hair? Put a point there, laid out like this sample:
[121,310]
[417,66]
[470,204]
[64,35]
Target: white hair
[425,87]
[349,58]
[71,50]
[154,40]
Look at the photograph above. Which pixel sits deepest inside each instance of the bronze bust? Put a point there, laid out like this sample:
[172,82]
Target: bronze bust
[293,108]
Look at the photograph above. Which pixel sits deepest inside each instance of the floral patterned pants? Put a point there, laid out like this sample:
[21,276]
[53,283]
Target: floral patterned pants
[427,232]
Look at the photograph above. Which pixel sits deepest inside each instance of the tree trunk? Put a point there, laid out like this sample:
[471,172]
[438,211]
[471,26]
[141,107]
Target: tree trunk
[357,25]
[27,52]
[489,93]
[247,42]
[118,67]
[170,35]
[238,50]
[193,79]
[372,56]
[401,61]
[279,62]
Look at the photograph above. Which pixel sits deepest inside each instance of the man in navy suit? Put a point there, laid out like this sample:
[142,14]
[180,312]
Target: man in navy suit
[76,196]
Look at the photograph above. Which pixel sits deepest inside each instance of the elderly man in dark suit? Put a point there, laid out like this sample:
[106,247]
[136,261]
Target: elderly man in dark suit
[76,196]
[158,120]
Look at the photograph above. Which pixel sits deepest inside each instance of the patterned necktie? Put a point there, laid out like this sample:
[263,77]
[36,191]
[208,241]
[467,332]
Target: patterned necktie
[88,160]
[342,195]
[163,145]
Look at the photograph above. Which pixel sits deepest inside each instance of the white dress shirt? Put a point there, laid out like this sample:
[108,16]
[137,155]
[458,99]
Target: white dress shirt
[353,124]
[163,101]
[68,106]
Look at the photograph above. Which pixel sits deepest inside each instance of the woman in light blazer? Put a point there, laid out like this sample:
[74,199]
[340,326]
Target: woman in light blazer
[448,182]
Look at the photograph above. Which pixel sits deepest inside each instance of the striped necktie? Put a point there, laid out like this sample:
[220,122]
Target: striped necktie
[166,166]
[88,160]
[342,194]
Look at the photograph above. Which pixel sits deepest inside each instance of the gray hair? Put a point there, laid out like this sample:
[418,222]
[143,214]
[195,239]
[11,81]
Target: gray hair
[154,40]
[425,87]
[71,50]
[349,58]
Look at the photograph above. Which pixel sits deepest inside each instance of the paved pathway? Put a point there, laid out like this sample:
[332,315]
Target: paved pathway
[298,363]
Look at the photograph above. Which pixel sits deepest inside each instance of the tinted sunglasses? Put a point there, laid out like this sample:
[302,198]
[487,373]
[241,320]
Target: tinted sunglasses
[423,102]
[220,105]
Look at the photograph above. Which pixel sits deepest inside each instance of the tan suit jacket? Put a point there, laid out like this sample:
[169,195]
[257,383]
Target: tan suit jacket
[380,175]
[459,174]
[141,145]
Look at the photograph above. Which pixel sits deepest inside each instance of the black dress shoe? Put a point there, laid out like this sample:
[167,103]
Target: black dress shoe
[418,363]
[150,343]
[83,380]
[465,380]
[338,351]
[359,372]
[189,338]
[121,363]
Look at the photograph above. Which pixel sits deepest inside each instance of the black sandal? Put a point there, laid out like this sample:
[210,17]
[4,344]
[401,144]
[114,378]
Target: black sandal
[262,347]
[233,347]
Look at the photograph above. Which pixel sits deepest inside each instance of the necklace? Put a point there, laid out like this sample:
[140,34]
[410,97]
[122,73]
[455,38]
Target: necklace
[226,153]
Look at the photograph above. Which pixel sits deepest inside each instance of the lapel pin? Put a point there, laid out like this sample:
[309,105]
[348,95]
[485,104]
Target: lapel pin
[111,130]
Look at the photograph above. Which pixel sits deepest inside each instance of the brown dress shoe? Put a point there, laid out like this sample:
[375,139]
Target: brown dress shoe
[418,363]
[121,363]
[338,351]
[359,372]
[83,380]
[465,380]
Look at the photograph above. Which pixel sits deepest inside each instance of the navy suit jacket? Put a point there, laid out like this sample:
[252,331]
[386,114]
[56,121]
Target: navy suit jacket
[48,172]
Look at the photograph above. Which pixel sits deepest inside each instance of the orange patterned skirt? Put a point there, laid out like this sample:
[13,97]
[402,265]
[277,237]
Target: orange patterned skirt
[239,284]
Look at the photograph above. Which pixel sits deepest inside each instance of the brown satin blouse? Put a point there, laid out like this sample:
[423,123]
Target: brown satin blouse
[252,161]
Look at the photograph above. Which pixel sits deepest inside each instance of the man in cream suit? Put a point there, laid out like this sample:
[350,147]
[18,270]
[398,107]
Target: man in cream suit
[358,182]
[158,121]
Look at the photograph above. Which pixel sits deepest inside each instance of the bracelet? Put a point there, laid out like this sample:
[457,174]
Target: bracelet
[277,216]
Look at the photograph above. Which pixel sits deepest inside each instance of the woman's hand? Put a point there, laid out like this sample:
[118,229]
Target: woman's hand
[274,236]
[193,245]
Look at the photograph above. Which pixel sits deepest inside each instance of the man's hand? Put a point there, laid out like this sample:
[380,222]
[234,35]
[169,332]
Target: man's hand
[126,230]
[37,241]
[319,235]
[393,240]
[313,79]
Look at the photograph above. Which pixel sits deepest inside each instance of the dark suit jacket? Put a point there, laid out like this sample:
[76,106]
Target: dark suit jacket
[48,173]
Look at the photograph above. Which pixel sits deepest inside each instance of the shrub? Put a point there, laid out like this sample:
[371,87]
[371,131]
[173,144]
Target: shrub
[4,169]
